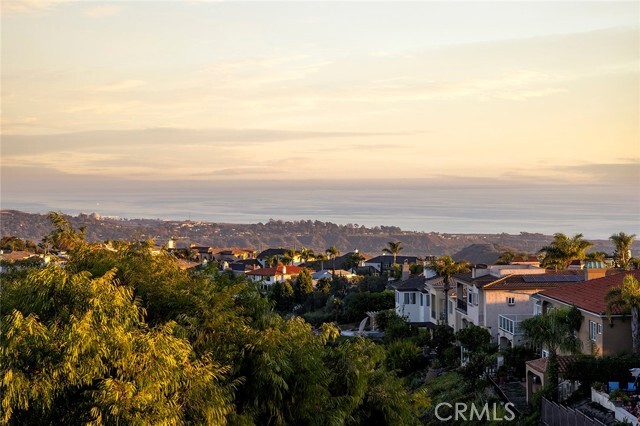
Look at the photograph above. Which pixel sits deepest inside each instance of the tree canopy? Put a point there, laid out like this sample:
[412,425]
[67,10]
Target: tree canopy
[124,336]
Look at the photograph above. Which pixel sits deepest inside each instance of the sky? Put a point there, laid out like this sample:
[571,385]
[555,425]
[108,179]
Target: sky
[153,93]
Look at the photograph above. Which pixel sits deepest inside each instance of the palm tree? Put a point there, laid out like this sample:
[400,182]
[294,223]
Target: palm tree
[321,258]
[393,248]
[597,256]
[627,298]
[333,252]
[623,243]
[563,250]
[291,254]
[445,266]
[306,254]
[555,332]
[271,261]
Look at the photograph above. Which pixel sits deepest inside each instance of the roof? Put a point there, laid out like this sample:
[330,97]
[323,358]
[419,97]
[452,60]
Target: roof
[272,252]
[279,270]
[338,272]
[523,282]
[388,259]
[233,250]
[17,255]
[540,364]
[416,283]
[185,264]
[589,295]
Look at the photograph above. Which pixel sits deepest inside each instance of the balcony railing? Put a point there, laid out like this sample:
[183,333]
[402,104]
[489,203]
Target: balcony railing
[462,306]
[511,323]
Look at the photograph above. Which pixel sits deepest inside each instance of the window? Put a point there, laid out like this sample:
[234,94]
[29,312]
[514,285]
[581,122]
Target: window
[421,300]
[413,298]
[593,330]
[406,298]
[511,301]
[545,354]
[599,328]
[537,309]
[427,296]
[450,306]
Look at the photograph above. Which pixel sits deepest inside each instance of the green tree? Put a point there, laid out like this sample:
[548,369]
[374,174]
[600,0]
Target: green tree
[563,250]
[506,258]
[446,267]
[623,244]
[283,295]
[307,254]
[76,349]
[555,332]
[394,248]
[332,253]
[626,298]
[596,256]
[63,236]
[324,286]
[303,286]
[405,357]
[321,258]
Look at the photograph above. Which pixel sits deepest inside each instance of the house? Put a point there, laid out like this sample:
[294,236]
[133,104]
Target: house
[270,276]
[498,297]
[598,333]
[241,267]
[330,273]
[18,259]
[384,264]
[277,253]
[536,371]
[204,254]
[421,299]
[234,254]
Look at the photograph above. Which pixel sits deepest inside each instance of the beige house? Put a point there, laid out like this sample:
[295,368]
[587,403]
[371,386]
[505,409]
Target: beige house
[498,297]
[599,334]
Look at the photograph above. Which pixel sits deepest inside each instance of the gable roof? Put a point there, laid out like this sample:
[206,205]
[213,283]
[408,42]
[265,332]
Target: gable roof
[279,270]
[416,283]
[589,295]
[388,259]
[540,364]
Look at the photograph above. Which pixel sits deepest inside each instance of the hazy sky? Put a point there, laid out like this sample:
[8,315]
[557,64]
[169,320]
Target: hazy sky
[186,90]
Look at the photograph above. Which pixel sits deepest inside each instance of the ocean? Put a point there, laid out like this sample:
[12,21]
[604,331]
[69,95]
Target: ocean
[595,211]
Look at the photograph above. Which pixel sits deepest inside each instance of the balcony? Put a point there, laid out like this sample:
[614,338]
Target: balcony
[510,324]
[461,305]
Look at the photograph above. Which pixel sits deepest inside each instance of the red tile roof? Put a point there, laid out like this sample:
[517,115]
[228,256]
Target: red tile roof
[589,295]
[540,364]
[271,272]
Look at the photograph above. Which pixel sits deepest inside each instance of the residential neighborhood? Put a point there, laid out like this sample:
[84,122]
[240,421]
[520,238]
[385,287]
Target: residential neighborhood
[429,295]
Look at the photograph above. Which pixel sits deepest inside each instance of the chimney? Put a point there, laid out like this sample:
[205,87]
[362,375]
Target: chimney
[406,272]
[284,269]
[170,244]
[594,270]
